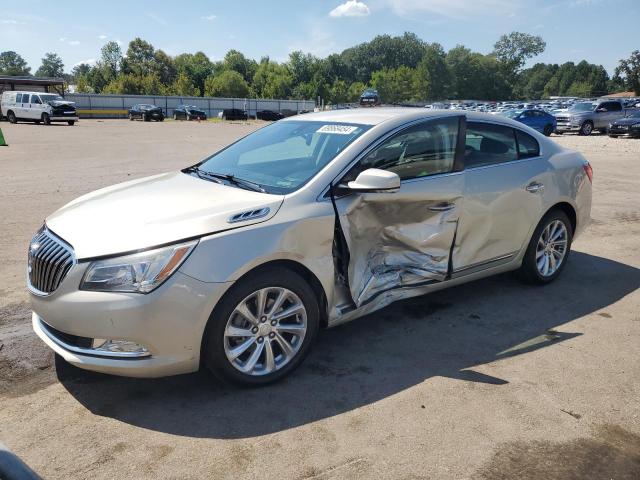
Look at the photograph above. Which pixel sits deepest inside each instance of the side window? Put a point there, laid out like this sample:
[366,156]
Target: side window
[35,99]
[615,107]
[19,98]
[527,145]
[420,151]
[489,144]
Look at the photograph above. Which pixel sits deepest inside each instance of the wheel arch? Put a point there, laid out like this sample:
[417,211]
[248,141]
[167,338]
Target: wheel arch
[569,210]
[304,272]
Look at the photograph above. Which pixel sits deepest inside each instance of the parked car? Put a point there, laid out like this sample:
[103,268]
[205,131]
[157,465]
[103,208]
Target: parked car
[369,98]
[37,107]
[585,117]
[537,119]
[146,112]
[269,115]
[188,112]
[233,114]
[628,126]
[237,262]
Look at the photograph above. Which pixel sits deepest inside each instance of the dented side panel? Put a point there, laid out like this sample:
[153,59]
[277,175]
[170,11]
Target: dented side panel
[403,239]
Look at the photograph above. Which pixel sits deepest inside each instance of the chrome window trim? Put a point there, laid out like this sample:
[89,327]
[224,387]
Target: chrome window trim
[510,162]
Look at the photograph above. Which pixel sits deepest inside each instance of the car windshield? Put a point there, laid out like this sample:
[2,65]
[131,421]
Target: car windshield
[512,113]
[191,107]
[50,97]
[285,155]
[582,107]
[146,106]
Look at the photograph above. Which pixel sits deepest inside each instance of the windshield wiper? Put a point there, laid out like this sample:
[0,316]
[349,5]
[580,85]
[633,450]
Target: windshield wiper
[241,182]
[219,177]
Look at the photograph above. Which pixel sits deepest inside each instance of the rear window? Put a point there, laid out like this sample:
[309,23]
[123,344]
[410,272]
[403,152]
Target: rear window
[489,144]
[527,145]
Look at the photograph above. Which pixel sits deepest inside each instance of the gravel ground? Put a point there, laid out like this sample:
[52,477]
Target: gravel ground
[488,380]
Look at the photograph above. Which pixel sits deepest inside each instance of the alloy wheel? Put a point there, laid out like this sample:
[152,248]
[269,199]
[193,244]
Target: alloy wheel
[265,331]
[551,248]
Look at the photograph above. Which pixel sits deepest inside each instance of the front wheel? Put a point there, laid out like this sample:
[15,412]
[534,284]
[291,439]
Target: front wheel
[548,130]
[175,116]
[262,329]
[587,128]
[46,119]
[548,249]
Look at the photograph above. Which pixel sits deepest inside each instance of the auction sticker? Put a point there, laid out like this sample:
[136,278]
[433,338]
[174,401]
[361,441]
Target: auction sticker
[337,129]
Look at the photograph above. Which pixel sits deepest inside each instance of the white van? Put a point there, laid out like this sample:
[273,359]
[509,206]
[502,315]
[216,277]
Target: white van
[37,107]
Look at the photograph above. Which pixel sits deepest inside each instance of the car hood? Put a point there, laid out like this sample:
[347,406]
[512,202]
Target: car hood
[154,211]
[627,121]
[59,103]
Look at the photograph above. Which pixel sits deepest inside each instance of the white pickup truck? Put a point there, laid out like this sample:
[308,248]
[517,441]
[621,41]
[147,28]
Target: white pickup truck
[37,107]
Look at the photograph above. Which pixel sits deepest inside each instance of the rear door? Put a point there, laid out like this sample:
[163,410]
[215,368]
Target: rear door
[505,178]
[404,239]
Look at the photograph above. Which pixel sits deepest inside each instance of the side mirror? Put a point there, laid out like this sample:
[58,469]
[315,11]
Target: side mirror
[601,110]
[375,180]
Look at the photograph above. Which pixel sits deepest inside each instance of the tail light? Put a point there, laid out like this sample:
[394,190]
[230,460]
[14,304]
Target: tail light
[588,170]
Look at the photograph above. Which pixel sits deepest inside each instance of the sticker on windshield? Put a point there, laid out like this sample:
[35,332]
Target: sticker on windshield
[337,129]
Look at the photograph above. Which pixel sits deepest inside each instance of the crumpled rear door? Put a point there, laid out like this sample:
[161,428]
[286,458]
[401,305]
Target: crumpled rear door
[403,239]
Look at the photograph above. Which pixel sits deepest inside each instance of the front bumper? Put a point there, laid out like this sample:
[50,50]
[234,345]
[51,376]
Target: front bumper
[64,118]
[169,322]
[627,132]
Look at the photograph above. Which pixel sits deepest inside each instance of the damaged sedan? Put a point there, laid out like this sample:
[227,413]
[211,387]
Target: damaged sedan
[237,262]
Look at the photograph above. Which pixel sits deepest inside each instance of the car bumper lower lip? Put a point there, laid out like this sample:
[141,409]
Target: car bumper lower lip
[63,119]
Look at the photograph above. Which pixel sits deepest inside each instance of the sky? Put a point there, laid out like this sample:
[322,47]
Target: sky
[600,31]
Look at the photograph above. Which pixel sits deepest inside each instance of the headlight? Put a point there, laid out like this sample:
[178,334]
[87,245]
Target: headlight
[139,273]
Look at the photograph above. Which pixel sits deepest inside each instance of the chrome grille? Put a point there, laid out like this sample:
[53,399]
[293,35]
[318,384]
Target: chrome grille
[50,259]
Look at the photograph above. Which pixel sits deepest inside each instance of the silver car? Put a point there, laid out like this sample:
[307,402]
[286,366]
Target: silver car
[237,262]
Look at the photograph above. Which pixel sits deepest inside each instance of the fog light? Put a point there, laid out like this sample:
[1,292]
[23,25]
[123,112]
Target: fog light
[119,346]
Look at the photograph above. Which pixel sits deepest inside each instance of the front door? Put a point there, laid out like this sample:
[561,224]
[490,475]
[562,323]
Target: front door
[404,239]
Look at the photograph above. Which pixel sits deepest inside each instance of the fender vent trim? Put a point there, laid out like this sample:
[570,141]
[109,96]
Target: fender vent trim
[249,215]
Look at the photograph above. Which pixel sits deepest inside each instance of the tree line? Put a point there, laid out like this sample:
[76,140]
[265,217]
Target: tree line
[402,68]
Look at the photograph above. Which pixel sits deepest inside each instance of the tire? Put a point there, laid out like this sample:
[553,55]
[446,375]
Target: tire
[12,117]
[548,130]
[602,131]
[188,117]
[161,119]
[71,123]
[46,119]
[146,118]
[531,272]
[217,347]
[587,128]
[175,116]
[131,117]
[613,136]
[559,133]
[37,122]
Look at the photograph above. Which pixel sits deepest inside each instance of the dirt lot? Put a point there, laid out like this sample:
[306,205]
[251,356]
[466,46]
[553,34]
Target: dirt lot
[489,380]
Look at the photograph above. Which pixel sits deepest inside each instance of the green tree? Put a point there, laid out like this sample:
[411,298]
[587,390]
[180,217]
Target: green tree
[236,61]
[272,80]
[82,85]
[514,49]
[183,86]
[355,90]
[140,59]
[197,67]
[395,85]
[111,57]
[81,70]
[12,63]
[628,70]
[52,66]
[228,84]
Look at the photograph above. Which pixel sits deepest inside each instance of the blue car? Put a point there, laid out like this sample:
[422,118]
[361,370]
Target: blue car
[537,119]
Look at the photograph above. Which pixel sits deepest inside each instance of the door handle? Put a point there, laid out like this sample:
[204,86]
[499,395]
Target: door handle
[534,187]
[442,207]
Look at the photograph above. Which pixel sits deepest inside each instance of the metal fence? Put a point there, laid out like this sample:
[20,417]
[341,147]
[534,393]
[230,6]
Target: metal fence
[116,106]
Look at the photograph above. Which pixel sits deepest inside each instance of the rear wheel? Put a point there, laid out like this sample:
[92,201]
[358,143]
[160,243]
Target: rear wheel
[586,128]
[548,249]
[12,117]
[46,119]
[262,329]
[548,130]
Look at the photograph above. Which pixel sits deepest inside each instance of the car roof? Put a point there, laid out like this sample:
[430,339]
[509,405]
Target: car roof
[375,116]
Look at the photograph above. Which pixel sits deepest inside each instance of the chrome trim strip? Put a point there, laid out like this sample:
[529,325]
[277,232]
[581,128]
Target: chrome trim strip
[88,351]
[485,263]
[501,164]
